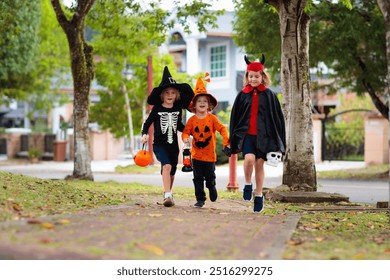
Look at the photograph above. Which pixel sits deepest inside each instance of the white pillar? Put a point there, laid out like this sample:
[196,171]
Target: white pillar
[192,56]
[56,113]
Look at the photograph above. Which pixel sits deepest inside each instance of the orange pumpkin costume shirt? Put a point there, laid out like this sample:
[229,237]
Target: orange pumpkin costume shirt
[204,136]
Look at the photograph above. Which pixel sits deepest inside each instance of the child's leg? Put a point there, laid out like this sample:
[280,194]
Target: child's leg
[259,176]
[166,177]
[249,161]
[198,172]
[211,181]
[258,205]
[172,179]
[199,190]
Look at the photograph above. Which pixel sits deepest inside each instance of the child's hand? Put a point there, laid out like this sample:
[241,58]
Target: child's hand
[186,140]
[144,138]
[227,151]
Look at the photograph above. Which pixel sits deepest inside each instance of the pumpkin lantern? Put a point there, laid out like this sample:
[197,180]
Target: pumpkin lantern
[187,161]
[143,157]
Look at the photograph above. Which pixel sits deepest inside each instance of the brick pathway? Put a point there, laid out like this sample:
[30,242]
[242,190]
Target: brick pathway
[144,230]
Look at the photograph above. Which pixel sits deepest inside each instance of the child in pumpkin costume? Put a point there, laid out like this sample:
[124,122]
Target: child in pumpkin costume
[203,126]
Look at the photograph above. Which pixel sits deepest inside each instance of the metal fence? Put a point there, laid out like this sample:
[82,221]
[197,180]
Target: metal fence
[344,144]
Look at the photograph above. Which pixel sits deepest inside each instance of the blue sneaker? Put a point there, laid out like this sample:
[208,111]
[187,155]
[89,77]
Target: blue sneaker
[258,204]
[247,192]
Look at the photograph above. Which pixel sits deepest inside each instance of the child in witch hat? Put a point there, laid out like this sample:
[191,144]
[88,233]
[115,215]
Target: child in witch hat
[202,127]
[169,98]
[256,128]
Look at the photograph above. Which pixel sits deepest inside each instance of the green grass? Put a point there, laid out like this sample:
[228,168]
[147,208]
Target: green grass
[29,197]
[342,235]
[370,172]
[134,169]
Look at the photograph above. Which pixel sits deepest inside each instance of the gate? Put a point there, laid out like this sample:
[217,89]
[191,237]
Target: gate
[342,143]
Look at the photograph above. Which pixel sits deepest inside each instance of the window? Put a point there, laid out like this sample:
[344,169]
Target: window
[218,61]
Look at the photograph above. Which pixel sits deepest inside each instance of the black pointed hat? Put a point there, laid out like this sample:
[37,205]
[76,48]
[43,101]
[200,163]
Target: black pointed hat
[186,92]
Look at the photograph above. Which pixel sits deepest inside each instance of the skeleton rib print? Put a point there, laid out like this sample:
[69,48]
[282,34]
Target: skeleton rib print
[168,122]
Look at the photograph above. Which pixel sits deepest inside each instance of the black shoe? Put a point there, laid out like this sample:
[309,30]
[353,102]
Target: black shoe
[247,192]
[258,204]
[213,194]
[199,204]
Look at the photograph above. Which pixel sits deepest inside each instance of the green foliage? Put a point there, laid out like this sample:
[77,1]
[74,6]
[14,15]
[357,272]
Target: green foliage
[355,43]
[33,52]
[256,29]
[19,42]
[199,10]
[127,33]
[348,36]
[34,153]
[52,71]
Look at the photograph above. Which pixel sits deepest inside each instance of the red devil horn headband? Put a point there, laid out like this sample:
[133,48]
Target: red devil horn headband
[255,66]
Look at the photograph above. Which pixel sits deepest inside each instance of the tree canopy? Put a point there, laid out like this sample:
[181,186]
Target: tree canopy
[19,45]
[349,39]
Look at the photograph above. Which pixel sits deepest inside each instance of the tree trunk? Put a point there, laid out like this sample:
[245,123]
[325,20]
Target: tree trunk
[299,171]
[82,73]
[384,6]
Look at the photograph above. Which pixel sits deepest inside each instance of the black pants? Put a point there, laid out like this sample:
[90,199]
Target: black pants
[203,171]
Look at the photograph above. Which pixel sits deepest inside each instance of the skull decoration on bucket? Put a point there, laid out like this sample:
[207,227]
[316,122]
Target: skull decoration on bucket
[273,158]
[187,160]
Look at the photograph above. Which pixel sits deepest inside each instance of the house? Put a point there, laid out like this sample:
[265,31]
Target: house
[212,51]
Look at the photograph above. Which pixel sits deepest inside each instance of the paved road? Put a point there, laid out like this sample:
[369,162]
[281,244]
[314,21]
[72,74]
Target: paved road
[357,191]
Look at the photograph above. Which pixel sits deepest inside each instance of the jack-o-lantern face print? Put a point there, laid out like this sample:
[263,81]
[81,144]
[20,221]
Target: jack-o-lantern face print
[202,136]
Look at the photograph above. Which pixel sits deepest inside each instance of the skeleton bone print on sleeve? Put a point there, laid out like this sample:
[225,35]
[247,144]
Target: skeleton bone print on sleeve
[168,122]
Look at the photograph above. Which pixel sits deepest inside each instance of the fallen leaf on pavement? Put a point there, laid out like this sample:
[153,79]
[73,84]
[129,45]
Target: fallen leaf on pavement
[34,222]
[155,215]
[295,242]
[63,222]
[132,214]
[154,249]
[359,256]
[45,241]
[177,219]
[47,225]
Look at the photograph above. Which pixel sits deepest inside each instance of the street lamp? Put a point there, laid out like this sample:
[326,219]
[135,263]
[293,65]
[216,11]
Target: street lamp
[149,69]
[127,73]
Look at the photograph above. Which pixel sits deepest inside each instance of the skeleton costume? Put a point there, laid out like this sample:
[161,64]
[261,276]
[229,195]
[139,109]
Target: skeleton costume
[167,121]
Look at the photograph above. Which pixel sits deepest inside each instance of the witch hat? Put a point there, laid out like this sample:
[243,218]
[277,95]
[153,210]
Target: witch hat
[200,90]
[185,90]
